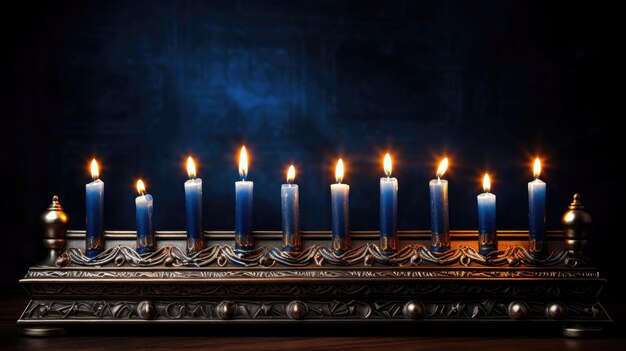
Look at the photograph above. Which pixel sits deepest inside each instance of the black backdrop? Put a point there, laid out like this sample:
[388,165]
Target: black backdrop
[142,84]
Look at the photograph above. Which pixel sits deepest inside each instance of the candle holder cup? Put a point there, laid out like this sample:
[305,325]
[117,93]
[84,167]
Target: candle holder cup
[341,244]
[440,242]
[389,244]
[145,244]
[487,242]
[195,245]
[244,242]
[292,242]
[94,245]
[537,247]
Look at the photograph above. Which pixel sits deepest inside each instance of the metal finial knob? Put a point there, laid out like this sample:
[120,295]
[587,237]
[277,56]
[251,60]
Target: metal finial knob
[55,205]
[576,203]
[576,224]
[54,221]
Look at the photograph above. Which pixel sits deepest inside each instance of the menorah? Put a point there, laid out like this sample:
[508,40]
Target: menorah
[366,283]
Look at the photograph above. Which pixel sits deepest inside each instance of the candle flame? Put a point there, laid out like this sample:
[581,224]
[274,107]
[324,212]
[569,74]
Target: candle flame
[486,183]
[141,188]
[243,163]
[191,167]
[387,165]
[291,174]
[443,166]
[537,167]
[95,172]
[339,171]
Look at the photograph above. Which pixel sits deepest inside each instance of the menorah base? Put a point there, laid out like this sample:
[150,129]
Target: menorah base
[267,285]
[42,331]
[582,331]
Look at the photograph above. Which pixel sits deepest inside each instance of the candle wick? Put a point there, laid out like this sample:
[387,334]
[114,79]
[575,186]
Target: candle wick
[143,193]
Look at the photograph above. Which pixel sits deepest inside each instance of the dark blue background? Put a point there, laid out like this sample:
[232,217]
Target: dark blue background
[142,84]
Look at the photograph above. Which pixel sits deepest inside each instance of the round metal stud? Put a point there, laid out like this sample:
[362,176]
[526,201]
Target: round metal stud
[413,309]
[518,310]
[556,310]
[297,310]
[226,309]
[146,310]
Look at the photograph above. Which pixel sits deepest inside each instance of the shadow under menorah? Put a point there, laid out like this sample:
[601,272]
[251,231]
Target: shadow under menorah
[316,285]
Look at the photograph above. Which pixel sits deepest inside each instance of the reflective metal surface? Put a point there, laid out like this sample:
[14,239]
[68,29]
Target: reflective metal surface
[218,284]
[576,226]
[54,222]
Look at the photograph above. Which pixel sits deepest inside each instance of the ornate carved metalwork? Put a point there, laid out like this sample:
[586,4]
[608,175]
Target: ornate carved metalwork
[262,274]
[488,309]
[367,254]
[389,243]
[440,241]
[195,245]
[341,244]
[347,289]
[95,243]
[366,283]
[244,242]
[363,284]
[292,243]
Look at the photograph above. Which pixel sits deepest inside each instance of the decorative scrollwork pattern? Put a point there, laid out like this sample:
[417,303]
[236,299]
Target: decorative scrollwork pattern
[365,255]
[308,274]
[479,288]
[245,310]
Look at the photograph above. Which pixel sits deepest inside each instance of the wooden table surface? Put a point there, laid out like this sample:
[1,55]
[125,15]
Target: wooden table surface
[303,337]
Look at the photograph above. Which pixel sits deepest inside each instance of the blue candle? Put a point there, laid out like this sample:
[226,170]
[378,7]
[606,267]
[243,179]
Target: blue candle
[487,240]
[94,237]
[536,211]
[290,209]
[388,209]
[244,237]
[193,210]
[340,204]
[440,227]
[143,211]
